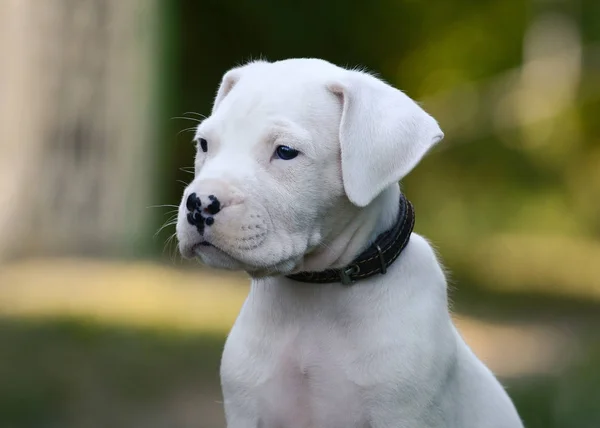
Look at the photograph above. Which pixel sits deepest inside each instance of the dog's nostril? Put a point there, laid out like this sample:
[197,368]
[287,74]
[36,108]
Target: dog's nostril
[193,202]
[195,218]
[198,217]
[215,205]
[190,219]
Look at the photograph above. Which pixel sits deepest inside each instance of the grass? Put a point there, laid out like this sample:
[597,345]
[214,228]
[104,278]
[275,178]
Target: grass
[73,373]
[77,373]
[86,344]
[570,399]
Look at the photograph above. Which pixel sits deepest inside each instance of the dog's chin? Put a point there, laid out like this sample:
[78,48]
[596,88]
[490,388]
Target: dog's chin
[217,258]
[279,269]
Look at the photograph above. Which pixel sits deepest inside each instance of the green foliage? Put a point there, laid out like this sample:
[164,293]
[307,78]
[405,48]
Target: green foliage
[569,400]
[73,373]
[510,197]
[496,173]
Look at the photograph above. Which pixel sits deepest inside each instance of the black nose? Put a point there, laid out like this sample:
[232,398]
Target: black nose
[198,216]
[194,206]
[193,203]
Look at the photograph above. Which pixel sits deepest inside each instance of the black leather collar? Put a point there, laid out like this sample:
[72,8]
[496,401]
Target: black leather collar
[375,259]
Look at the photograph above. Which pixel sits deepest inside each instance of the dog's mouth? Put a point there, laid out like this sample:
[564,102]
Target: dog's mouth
[207,251]
[205,246]
[198,247]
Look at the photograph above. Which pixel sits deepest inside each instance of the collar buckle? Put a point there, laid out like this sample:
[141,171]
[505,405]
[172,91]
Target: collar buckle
[374,260]
[346,272]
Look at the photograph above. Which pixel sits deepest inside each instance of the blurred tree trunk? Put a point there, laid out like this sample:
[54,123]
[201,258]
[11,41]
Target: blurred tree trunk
[76,138]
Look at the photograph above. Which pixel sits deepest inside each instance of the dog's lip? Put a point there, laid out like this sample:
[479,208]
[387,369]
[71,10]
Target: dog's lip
[197,246]
[203,246]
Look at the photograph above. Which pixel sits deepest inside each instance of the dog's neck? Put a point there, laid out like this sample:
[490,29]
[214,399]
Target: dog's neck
[356,233]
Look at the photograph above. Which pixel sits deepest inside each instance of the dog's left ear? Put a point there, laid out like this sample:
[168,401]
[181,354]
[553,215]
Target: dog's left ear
[383,135]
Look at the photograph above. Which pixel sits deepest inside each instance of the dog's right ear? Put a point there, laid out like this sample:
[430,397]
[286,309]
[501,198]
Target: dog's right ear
[231,78]
[227,83]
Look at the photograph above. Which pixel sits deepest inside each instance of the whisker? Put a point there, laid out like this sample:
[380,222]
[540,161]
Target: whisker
[190,129]
[167,224]
[193,119]
[195,113]
[172,217]
[170,247]
[188,170]
[173,213]
[183,182]
[163,206]
[174,255]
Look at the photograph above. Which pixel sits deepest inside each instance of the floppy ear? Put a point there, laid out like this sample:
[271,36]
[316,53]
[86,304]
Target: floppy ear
[231,78]
[227,83]
[383,135]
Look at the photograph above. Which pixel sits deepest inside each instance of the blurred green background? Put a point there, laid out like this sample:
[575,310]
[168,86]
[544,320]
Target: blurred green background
[102,324]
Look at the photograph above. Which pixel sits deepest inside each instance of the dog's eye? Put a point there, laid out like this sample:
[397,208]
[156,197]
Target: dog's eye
[286,153]
[203,144]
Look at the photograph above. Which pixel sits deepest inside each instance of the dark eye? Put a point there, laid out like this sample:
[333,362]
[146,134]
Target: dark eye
[286,153]
[203,144]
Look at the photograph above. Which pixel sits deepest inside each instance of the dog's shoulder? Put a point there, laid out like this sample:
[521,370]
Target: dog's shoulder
[421,256]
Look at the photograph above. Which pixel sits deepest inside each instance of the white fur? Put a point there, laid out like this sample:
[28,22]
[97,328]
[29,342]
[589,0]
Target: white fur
[382,353]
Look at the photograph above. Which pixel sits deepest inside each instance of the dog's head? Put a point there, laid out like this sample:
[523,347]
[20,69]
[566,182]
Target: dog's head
[291,149]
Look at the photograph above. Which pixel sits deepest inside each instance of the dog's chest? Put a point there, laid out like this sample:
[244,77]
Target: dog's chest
[308,385]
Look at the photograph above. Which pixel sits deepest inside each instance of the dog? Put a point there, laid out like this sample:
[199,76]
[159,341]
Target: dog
[346,324]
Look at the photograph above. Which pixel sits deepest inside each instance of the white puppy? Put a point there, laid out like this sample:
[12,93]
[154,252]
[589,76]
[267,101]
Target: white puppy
[297,170]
